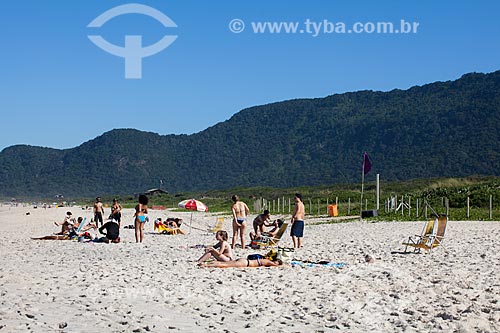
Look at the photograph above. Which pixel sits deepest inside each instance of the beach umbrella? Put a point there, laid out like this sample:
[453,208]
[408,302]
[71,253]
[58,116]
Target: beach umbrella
[193,205]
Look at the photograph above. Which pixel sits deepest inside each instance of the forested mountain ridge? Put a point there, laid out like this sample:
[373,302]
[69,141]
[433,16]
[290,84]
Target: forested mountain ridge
[442,129]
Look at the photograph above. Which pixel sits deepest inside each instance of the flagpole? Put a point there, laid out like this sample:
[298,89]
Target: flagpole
[362,188]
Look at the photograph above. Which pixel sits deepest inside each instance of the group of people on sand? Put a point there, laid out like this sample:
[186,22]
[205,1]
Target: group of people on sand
[240,213]
[172,225]
[222,252]
[72,228]
[109,228]
[116,209]
[224,257]
[69,227]
[140,215]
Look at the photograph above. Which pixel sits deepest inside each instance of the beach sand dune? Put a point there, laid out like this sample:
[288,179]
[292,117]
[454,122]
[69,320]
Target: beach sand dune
[156,286]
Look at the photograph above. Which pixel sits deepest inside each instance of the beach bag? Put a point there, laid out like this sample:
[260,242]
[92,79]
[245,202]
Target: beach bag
[285,254]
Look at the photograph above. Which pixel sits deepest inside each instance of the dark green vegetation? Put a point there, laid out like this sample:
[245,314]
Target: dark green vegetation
[439,193]
[443,129]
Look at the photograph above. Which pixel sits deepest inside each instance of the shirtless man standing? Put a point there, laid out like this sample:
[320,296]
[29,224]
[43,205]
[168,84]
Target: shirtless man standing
[240,211]
[98,211]
[297,221]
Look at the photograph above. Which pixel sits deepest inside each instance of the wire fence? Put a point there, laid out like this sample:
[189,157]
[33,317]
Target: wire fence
[400,207]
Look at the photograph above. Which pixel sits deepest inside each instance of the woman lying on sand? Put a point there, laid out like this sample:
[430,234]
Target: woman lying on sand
[53,237]
[242,262]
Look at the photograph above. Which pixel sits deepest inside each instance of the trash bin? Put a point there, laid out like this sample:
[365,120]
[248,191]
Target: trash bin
[332,210]
[369,213]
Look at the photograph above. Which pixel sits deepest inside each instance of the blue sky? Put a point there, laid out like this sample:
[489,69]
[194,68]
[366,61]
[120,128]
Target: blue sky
[60,90]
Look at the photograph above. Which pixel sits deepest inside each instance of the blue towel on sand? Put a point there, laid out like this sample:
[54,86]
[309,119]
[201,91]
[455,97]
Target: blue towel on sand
[312,264]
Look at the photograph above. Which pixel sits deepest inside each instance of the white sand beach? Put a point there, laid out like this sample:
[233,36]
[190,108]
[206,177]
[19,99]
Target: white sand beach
[156,286]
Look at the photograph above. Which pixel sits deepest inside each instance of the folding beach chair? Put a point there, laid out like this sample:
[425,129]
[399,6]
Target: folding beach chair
[163,229]
[432,235]
[218,225]
[269,241]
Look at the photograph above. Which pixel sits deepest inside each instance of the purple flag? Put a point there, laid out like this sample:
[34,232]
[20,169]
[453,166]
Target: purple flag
[367,164]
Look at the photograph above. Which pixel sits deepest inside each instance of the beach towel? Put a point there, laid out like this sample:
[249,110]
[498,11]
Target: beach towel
[317,264]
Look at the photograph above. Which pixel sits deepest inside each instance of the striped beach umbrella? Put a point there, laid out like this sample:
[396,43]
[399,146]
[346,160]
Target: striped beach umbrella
[193,204]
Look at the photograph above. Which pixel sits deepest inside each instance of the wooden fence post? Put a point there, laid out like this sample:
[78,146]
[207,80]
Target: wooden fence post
[468,207]
[409,206]
[447,207]
[491,207]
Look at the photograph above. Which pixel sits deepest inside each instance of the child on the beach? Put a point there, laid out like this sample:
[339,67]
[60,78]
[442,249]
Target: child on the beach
[221,251]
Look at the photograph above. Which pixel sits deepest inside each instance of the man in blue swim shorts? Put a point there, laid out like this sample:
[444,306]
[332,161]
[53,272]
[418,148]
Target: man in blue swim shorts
[297,222]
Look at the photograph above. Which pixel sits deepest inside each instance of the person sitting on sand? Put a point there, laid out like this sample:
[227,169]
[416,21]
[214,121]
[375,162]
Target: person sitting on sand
[261,221]
[66,225]
[158,222]
[221,251]
[167,228]
[242,263]
[276,225]
[87,227]
[111,230]
[174,222]
[70,233]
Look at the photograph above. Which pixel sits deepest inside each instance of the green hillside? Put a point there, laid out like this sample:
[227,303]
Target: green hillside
[442,129]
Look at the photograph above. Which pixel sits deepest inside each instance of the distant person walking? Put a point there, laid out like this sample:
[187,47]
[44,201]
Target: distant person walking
[98,211]
[141,214]
[240,211]
[116,209]
[297,222]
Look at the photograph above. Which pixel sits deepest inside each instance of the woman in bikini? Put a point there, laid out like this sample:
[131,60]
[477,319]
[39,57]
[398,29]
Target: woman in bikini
[141,212]
[242,263]
[116,209]
[240,211]
[221,251]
